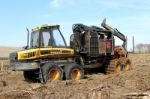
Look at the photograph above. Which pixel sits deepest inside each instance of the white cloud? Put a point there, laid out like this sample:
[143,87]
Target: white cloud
[61,3]
[56,3]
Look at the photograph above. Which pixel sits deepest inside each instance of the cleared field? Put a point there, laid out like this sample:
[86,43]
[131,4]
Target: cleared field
[4,51]
[94,86]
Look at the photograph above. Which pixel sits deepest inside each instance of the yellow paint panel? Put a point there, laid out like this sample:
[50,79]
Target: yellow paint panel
[33,53]
[45,53]
[44,26]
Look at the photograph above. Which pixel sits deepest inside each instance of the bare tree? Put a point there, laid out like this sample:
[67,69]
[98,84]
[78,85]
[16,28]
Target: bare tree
[139,47]
[148,48]
[143,48]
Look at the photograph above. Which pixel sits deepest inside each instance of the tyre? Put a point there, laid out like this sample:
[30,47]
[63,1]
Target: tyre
[127,65]
[52,72]
[118,67]
[74,72]
[114,66]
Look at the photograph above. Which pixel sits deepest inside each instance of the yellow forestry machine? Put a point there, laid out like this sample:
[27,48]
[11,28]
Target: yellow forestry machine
[48,58]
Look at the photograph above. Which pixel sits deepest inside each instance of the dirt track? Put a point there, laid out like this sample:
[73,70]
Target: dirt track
[94,86]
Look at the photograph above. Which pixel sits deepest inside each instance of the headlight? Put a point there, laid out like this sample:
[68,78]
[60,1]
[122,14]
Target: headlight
[13,57]
[28,55]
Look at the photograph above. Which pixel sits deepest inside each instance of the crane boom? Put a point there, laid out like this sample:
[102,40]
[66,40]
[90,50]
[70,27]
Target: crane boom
[114,31]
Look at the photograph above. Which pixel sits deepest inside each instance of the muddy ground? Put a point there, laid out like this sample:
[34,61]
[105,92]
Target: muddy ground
[94,86]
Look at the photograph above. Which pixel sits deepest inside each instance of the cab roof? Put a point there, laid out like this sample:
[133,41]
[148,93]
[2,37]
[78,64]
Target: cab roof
[45,26]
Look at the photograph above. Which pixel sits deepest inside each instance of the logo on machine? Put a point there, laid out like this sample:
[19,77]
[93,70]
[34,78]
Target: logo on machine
[43,52]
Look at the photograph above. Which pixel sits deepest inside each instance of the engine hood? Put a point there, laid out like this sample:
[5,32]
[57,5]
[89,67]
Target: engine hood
[38,53]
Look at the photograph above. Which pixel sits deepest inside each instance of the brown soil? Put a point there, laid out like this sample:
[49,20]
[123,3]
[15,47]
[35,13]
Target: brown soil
[94,86]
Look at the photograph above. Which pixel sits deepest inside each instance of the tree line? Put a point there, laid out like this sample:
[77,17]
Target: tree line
[142,48]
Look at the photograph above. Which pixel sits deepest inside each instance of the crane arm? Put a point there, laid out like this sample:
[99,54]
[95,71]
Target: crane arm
[115,32]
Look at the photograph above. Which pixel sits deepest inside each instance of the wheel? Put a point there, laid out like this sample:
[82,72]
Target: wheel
[127,65]
[74,72]
[52,72]
[114,66]
[118,67]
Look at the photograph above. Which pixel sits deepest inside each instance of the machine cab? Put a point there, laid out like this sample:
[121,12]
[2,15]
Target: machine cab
[47,42]
[47,36]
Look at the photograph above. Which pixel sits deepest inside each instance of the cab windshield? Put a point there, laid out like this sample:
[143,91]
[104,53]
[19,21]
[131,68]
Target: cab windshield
[52,38]
[34,39]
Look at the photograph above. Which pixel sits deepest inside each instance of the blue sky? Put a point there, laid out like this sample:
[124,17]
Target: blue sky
[131,17]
